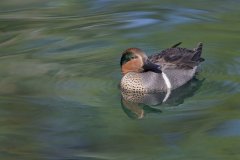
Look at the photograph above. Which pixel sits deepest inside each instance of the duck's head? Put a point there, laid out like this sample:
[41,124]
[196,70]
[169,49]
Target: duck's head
[135,60]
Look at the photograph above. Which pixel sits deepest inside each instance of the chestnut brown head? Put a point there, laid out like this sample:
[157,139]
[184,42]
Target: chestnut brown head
[135,60]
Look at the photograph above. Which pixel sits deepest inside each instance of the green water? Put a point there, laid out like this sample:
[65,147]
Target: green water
[59,76]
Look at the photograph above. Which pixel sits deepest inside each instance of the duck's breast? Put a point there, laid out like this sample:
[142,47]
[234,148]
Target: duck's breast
[132,82]
[150,82]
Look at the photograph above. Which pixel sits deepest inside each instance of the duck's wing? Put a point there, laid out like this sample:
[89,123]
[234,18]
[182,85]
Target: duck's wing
[178,58]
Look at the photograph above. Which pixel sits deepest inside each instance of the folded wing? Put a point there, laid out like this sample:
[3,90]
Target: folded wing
[178,58]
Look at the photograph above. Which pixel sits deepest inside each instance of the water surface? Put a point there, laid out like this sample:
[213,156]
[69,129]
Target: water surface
[59,69]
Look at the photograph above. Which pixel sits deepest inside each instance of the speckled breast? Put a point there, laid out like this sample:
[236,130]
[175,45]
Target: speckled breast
[132,82]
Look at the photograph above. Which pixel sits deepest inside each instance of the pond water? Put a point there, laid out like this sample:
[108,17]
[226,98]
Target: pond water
[59,67]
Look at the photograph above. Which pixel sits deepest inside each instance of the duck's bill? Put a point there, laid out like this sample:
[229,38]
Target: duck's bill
[149,66]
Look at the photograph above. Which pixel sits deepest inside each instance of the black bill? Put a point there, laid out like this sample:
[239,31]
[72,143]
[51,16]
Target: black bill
[149,66]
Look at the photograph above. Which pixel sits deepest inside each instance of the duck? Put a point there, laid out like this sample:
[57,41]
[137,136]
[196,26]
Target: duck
[161,72]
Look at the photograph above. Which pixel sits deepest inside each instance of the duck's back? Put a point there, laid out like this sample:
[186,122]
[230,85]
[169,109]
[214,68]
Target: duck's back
[178,58]
[179,64]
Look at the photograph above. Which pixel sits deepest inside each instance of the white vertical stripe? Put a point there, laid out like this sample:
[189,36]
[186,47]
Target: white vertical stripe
[167,81]
[169,86]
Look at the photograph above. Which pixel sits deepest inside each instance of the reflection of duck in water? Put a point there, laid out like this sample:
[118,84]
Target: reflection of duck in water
[162,72]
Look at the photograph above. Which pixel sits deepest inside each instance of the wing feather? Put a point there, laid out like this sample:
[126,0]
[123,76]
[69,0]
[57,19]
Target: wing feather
[178,58]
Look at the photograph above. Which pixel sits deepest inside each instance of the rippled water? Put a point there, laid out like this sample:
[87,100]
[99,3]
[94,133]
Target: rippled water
[59,67]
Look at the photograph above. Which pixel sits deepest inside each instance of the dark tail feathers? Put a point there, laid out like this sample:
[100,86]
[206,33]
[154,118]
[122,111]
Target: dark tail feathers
[197,55]
[175,45]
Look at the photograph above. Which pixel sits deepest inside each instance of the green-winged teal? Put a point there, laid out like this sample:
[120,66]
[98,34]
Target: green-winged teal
[162,72]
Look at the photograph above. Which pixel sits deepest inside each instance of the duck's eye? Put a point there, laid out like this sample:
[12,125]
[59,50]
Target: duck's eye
[128,56]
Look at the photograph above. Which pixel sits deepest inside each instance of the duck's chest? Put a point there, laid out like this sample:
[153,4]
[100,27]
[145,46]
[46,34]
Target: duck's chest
[132,82]
[146,82]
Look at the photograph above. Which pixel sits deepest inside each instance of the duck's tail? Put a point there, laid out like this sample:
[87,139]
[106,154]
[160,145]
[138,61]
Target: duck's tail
[175,45]
[197,54]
